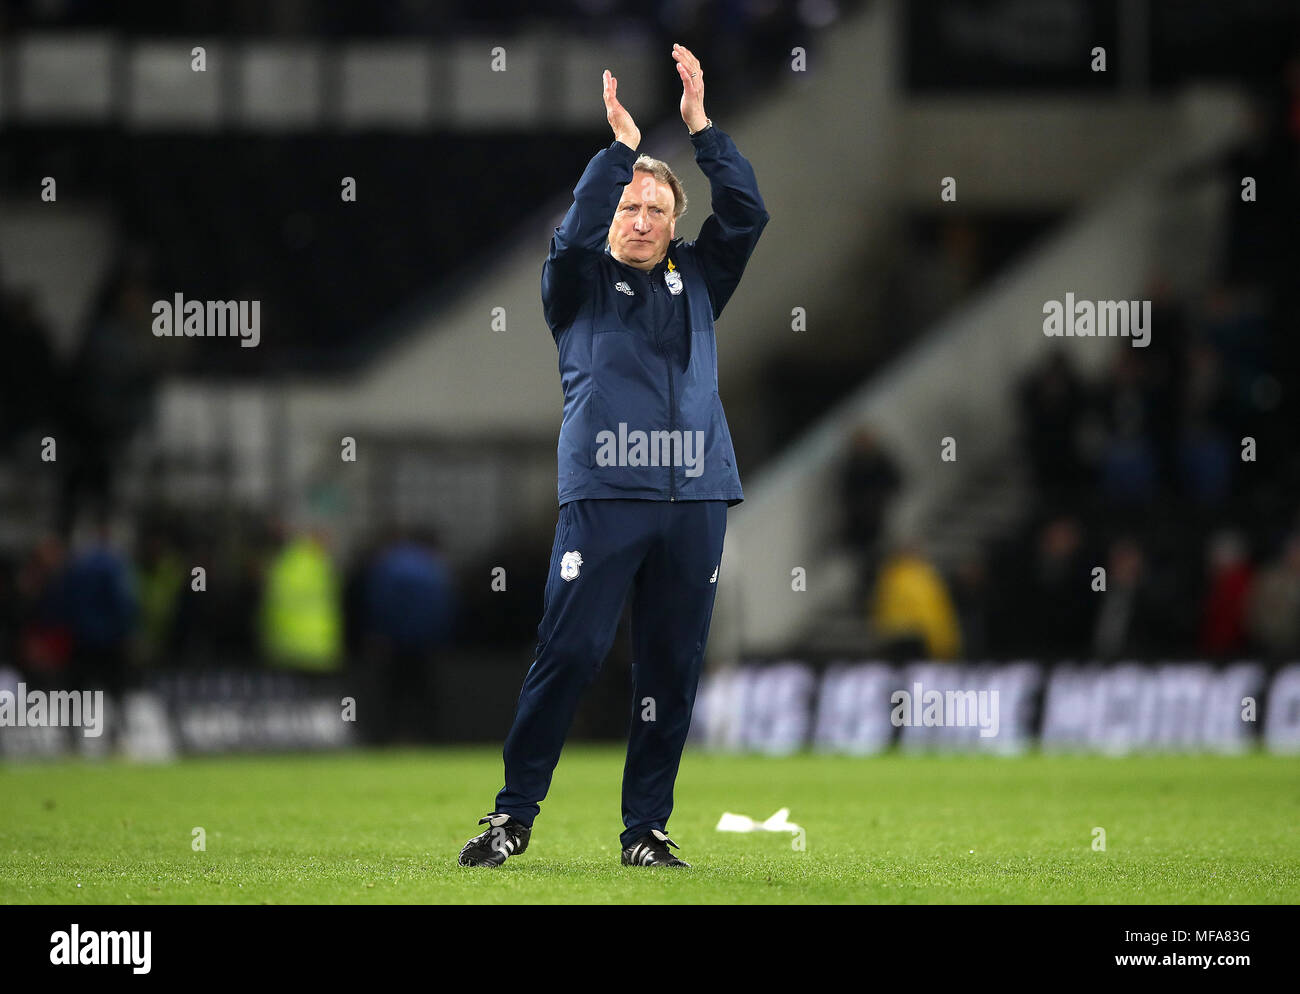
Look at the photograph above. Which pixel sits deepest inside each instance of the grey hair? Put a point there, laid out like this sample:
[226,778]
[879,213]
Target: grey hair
[662,172]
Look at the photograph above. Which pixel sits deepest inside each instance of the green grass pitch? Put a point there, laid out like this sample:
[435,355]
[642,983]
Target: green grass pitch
[385,827]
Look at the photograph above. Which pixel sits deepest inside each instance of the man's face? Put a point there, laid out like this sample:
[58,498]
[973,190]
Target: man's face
[643,224]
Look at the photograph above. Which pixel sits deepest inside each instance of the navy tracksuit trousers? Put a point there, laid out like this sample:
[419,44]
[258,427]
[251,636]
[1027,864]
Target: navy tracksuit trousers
[667,554]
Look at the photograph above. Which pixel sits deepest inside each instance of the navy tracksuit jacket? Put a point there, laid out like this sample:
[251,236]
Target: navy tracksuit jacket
[646,473]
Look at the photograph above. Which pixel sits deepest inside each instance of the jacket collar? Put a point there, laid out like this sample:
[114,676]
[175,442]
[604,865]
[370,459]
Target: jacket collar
[659,268]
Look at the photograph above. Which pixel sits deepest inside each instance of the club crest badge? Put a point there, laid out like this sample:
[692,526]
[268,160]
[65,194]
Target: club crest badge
[570,563]
[673,278]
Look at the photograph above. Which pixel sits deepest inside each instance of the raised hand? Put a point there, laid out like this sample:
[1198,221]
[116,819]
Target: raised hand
[688,68]
[625,129]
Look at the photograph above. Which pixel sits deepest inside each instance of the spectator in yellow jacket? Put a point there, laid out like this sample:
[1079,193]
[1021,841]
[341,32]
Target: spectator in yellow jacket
[911,600]
[302,621]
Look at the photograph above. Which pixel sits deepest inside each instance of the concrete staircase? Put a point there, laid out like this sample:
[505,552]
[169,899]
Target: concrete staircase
[987,506]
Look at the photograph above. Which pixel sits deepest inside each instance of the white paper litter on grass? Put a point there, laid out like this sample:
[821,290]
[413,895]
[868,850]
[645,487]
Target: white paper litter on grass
[779,822]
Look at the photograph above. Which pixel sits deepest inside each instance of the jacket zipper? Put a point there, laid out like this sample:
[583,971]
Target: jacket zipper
[672,398]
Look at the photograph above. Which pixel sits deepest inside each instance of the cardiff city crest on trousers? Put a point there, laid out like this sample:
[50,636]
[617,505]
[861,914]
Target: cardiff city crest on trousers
[570,563]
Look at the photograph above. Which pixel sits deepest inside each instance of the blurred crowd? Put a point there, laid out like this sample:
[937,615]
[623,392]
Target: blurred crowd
[1164,512]
[1176,473]
[91,614]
